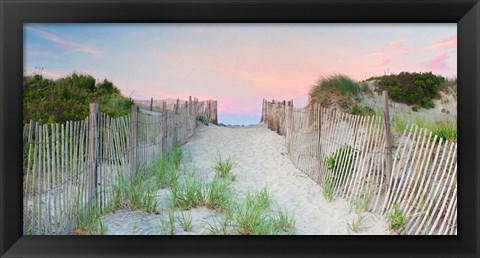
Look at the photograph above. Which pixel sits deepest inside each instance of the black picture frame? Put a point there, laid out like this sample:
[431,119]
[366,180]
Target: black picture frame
[466,13]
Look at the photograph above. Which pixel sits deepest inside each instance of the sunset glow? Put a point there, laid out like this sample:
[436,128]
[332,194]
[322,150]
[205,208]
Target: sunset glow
[238,65]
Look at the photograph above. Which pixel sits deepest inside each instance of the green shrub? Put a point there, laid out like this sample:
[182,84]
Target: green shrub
[412,88]
[362,110]
[203,119]
[344,105]
[68,98]
[415,108]
[428,104]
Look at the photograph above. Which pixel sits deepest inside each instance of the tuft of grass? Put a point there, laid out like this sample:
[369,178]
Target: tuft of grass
[223,167]
[189,193]
[327,189]
[171,221]
[135,193]
[357,224]
[251,216]
[284,222]
[340,82]
[445,130]
[89,220]
[219,226]
[185,220]
[165,172]
[218,194]
[397,219]
[163,225]
[175,156]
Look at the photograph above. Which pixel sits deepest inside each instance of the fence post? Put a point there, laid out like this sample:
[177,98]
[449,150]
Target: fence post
[262,120]
[190,107]
[133,139]
[151,104]
[388,135]
[319,137]
[92,151]
[214,115]
[165,127]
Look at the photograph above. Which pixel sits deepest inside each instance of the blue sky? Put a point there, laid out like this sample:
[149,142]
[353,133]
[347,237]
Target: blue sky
[236,64]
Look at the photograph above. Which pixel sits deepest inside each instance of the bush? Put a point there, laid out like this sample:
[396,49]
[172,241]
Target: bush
[202,119]
[68,98]
[415,108]
[428,104]
[362,110]
[412,88]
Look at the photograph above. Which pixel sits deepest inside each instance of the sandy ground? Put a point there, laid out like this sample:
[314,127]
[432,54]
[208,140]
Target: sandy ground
[261,160]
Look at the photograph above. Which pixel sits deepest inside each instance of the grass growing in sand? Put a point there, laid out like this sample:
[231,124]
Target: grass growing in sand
[171,221]
[188,193]
[194,191]
[356,225]
[254,216]
[223,167]
[185,220]
[219,194]
[327,189]
[136,192]
[89,220]
[397,219]
[444,129]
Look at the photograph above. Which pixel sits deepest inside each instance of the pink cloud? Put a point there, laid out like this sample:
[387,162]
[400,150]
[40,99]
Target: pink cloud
[438,62]
[53,74]
[397,43]
[70,46]
[385,61]
[447,42]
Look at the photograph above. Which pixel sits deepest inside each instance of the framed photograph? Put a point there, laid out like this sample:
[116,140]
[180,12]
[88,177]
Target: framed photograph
[211,128]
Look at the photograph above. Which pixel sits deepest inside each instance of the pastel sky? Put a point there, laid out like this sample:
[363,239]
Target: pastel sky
[237,64]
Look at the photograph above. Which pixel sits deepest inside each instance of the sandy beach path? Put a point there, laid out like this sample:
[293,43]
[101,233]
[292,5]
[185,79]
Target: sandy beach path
[261,160]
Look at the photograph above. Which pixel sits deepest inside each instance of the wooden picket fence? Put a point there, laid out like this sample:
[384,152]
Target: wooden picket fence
[69,166]
[350,156]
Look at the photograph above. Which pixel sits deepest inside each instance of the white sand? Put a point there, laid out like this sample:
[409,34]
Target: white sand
[261,160]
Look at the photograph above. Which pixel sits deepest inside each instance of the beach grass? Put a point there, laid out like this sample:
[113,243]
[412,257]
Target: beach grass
[223,167]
